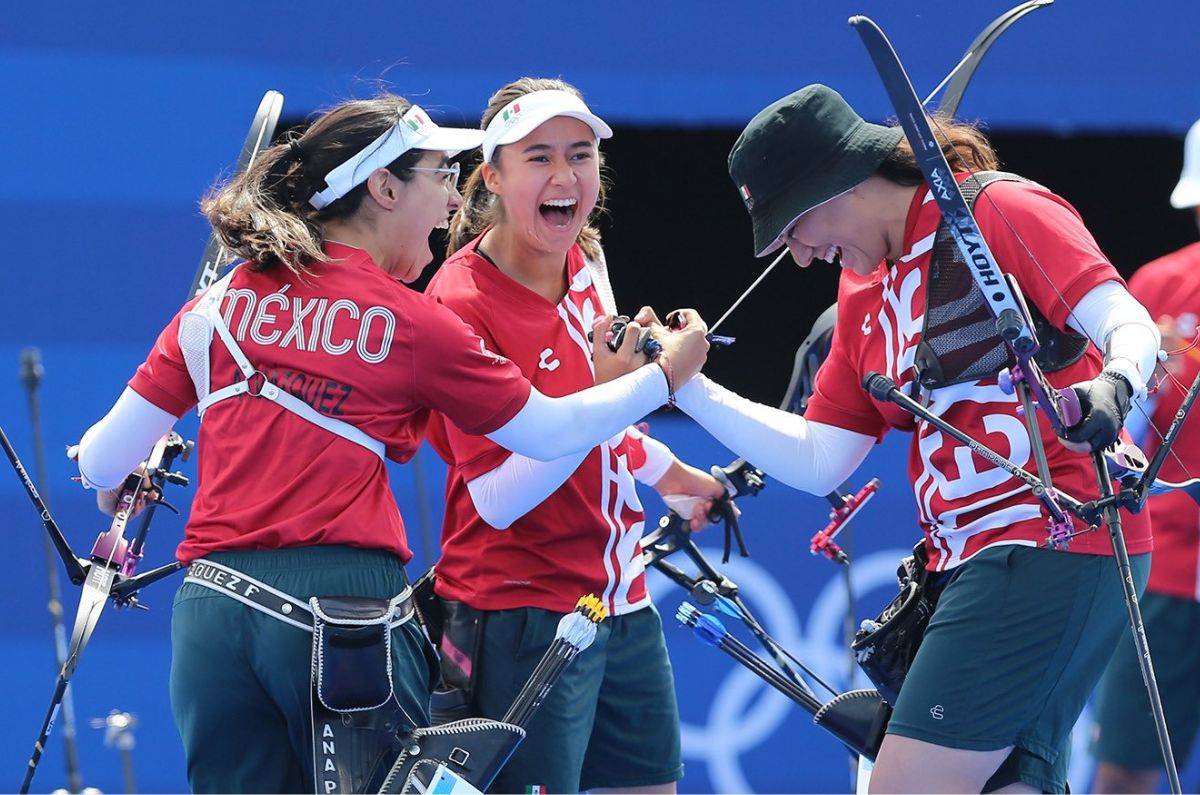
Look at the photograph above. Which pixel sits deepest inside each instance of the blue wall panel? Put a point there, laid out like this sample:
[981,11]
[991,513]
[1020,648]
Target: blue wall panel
[118,117]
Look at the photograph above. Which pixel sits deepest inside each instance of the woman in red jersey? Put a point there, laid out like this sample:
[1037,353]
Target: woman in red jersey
[522,539]
[1021,633]
[310,365]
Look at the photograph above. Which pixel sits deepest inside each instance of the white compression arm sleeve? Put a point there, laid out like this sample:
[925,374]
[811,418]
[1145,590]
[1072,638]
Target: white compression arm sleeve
[517,486]
[520,484]
[547,428]
[810,456]
[115,445]
[1122,329]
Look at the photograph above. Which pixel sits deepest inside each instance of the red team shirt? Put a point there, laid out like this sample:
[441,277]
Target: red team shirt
[1170,288]
[586,536]
[964,503]
[355,344]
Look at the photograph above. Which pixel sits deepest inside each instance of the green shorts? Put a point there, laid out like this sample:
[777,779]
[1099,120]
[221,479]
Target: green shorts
[1124,732]
[240,688]
[610,721]
[1019,638]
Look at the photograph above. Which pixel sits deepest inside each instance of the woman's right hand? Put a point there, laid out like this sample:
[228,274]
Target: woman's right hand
[609,364]
[685,345]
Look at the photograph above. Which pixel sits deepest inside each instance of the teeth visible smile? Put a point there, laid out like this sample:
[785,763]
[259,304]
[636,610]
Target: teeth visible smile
[560,202]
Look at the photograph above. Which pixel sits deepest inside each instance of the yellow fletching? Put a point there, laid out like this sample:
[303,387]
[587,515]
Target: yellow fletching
[592,608]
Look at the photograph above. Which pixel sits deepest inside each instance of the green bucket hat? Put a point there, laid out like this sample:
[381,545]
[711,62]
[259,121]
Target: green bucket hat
[802,151]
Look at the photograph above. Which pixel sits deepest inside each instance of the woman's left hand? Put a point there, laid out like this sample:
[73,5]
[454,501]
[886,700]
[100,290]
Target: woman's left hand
[1105,402]
[106,499]
[690,487]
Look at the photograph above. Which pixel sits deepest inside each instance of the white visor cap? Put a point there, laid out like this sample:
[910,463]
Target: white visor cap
[413,130]
[524,115]
[1187,192]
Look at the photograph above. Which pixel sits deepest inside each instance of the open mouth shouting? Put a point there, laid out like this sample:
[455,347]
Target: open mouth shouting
[559,213]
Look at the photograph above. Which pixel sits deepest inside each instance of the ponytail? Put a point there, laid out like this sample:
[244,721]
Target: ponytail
[260,215]
[264,214]
[476,214]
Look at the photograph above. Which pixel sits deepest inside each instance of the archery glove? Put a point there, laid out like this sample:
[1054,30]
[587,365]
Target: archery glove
[1104,403]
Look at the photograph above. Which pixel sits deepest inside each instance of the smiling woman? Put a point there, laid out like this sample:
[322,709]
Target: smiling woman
[529,276]
[311,364]
[507,120]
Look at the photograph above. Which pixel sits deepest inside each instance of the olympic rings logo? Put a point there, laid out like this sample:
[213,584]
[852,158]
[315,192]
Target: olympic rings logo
[743,712]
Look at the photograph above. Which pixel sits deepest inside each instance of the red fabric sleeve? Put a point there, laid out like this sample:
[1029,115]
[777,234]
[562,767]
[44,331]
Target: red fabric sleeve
[163,378]
[838,395]
[1146,286]
[455,373]
[634,447]
[1055,259]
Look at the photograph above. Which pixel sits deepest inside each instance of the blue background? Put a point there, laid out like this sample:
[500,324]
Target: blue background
[117,117]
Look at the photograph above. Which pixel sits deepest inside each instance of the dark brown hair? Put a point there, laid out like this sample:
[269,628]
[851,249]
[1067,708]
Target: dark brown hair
[965,148]
[481,208]
[264,214]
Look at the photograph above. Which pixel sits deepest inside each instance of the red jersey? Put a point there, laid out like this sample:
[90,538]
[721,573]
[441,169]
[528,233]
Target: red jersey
[1170,288]
[354,344]
[964,503]
[586,536]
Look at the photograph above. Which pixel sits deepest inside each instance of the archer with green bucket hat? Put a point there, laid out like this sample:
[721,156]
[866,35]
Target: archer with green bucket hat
[1021,633]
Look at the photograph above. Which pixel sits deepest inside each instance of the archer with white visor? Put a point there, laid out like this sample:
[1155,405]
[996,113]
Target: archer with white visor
[413,130]
[313,363]
[521,539]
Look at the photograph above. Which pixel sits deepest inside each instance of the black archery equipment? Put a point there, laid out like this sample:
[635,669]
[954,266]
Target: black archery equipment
[952,350]
[886,646]
[853,717]
[108,573]
[474,750]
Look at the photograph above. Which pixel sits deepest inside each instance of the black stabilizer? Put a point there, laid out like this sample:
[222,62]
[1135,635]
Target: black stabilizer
[879,386]
[858,718]
[1010,324]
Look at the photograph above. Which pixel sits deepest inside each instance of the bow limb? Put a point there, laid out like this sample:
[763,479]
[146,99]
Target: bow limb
[262,130]
[960,77]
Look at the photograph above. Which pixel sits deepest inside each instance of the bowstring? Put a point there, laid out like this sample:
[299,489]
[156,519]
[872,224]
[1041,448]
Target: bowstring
[1062,299]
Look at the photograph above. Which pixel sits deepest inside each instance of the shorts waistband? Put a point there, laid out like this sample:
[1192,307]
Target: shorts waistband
[254,561]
